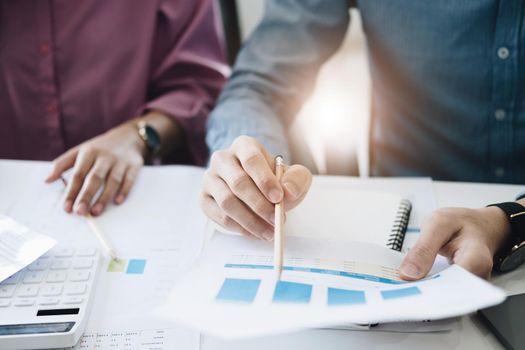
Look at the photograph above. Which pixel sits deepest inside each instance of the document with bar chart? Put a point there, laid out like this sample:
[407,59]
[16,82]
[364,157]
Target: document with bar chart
[233,292]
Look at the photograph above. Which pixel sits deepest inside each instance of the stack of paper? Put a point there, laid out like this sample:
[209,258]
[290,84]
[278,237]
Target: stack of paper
[232,291]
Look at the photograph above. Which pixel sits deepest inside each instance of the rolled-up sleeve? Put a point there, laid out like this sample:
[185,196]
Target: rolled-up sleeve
[188,70]
[276,70]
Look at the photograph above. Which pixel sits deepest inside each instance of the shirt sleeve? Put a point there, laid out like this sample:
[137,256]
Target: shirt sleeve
[276,70]
[189,69]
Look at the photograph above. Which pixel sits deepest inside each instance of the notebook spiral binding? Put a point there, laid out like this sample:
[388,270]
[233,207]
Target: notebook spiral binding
[399,227]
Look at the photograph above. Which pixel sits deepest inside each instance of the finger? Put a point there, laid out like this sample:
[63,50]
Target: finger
[94,180]
[83,164]
[227,167]
[212,210]
[237,210]
[112,185]
[436,232]
[64,162]
[296,182]
[259,166]
[127,183]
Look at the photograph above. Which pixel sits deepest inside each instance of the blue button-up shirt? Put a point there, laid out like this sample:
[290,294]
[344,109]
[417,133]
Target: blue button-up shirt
[448,81]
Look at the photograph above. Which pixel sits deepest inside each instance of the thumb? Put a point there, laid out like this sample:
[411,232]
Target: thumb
[296,182]
[418,262]
[437,231]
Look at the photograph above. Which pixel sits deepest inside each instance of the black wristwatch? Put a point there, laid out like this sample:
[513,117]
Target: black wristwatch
[150,137]
[512,253]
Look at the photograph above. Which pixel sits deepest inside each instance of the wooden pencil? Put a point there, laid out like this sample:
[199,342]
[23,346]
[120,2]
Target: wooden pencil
[279,223]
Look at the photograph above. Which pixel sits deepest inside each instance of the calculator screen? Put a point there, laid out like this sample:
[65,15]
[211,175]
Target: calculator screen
[35,328]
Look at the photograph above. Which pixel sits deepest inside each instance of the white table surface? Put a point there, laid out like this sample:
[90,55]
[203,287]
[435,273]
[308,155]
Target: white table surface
[470,333]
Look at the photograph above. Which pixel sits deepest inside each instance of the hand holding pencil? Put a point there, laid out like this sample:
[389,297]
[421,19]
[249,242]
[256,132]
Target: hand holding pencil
[240,188]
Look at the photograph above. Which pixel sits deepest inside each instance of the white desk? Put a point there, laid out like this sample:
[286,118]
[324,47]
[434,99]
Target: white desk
[470,334]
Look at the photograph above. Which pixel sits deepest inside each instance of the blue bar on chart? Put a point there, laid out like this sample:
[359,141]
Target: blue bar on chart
[291,292]
[338,296]
[400,293]
[238,290]
[136,266]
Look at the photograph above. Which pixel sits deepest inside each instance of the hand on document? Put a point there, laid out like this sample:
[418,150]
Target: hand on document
[467,237]
[110,161]
[240,188]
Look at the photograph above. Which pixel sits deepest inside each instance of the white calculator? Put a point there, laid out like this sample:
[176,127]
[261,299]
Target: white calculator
[46,304]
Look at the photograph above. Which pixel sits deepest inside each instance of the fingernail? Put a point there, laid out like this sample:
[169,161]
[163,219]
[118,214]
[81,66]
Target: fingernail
[275,195]
[68,206]
[81,209]
[119,199]
[268,235]
[410,270]
[292,189]
[97,209]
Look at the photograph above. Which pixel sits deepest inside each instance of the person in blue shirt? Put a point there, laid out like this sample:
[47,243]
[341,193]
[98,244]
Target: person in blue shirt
[448,102]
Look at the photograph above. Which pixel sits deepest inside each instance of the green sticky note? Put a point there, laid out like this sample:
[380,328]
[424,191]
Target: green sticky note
[117,265]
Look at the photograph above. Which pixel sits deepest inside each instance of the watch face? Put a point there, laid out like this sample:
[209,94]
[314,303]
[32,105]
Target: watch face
[515,259]
[153,138]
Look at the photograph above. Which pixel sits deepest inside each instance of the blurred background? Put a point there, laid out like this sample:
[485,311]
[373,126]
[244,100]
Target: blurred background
[330,134]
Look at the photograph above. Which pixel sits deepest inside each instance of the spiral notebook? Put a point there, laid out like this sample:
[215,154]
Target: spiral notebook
[335,212]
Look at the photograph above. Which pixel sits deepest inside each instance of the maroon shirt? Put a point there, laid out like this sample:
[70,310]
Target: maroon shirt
[71,70]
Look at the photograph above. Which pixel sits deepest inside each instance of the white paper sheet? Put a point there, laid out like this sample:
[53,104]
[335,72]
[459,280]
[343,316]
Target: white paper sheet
[232,291]
[140,339]
[160,224]
[19,246]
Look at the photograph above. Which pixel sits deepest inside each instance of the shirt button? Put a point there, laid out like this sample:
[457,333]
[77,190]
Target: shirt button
[503,53]
[44,49]
[499,172]
[500,115]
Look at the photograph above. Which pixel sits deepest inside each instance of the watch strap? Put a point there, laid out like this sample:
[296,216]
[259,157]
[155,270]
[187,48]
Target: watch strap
[151,138]
[516,215]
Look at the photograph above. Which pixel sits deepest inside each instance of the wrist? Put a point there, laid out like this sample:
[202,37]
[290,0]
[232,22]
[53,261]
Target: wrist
[135,141]
[499,227]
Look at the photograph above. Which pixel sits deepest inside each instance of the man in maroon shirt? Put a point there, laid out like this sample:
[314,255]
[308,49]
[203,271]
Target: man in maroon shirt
[77,76]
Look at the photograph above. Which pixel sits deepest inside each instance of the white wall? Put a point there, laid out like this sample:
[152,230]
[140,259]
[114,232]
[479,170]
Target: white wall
[334,121]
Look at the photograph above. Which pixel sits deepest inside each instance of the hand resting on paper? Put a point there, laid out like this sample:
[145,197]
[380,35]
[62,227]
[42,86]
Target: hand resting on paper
[111,162]
[467,237]
[240,188]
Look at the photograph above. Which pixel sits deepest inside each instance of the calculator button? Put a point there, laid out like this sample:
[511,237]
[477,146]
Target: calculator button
[33,277]
[14,279]
[56,276]
[49,301]
[7,291]
[5,302]
[79,276]
[83,263]
[39,265]
[64,252]
[73,300]
[60,264]
[24,302]
[52,290]
[76,289]
[28,291]
[87,251]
